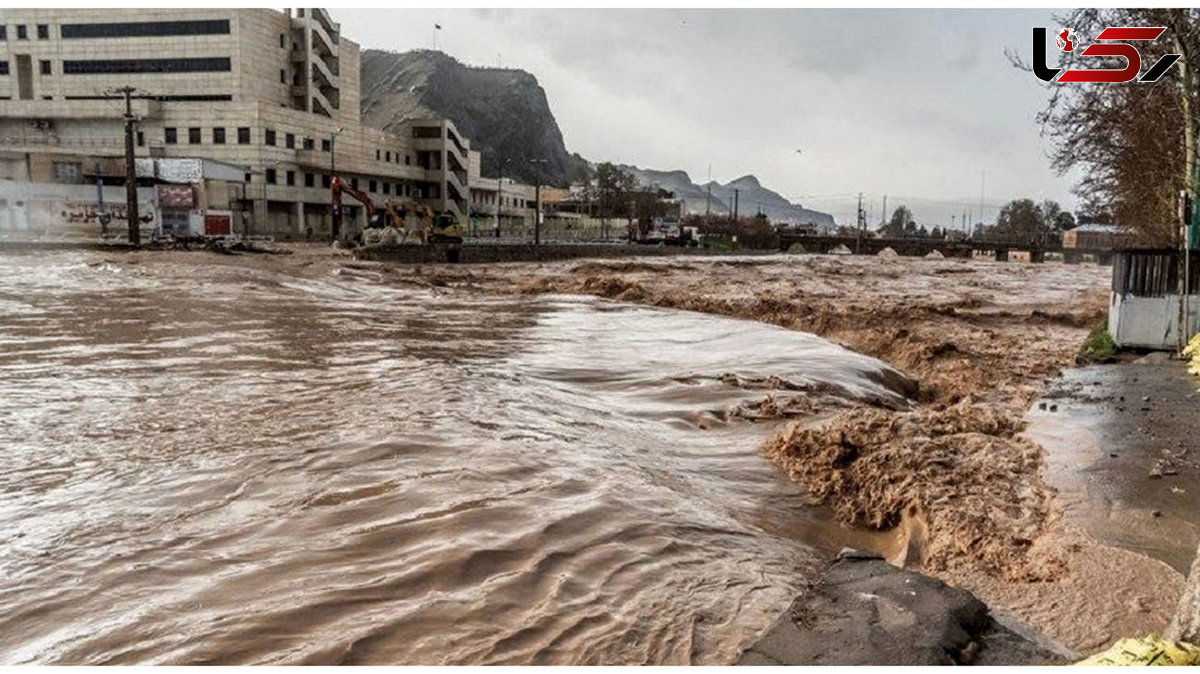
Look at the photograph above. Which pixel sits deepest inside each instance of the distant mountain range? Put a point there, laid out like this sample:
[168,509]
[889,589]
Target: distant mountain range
[751,197]
[505,114]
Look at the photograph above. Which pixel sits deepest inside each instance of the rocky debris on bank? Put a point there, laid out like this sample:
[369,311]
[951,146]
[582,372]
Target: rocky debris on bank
[864,611]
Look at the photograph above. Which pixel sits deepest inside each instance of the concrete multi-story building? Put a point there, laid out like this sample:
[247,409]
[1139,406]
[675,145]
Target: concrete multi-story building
[276,92]
[515,202]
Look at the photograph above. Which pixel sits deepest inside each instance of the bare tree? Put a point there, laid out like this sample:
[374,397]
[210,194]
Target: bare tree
[1134,143]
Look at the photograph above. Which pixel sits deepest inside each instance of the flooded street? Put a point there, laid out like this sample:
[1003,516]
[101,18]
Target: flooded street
[221,464]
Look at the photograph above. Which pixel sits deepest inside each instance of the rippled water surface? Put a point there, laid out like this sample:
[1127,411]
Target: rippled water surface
[212,464]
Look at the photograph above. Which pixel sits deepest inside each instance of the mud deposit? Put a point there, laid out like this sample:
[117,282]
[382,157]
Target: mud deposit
[240,459]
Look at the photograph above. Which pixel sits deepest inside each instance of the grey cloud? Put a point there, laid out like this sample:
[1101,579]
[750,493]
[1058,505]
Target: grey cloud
[916,102]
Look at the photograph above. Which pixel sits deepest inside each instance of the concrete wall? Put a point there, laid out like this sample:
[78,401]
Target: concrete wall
[519,252]
[51,211]
[1150,322]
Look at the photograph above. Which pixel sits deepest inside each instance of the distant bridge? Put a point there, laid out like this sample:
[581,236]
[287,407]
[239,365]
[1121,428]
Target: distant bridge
[920,247]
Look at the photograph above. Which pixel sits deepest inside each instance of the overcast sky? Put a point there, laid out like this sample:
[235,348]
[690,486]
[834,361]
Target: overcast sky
[915,104]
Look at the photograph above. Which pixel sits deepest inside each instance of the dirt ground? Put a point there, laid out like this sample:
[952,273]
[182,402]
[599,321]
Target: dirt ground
[954,476]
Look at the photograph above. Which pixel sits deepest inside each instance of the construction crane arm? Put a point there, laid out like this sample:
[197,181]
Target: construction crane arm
[337,187]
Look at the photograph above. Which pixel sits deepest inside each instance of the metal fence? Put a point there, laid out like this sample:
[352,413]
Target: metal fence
[1153,272]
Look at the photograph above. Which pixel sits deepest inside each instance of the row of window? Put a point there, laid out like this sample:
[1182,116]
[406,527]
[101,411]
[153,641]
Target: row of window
[310,180]
[129,29]
[143,29]
[386,155]
[128,66]
[44,66]
[487,199]
[43,32]
[72,172]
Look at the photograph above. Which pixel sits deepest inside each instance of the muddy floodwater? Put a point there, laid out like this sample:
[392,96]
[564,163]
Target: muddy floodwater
[215,464]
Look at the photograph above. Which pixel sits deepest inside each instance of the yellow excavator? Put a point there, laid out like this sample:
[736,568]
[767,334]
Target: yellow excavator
[409,222]
[417,219]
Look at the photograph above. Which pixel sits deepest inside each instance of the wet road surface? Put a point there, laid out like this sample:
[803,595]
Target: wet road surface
[1122,447]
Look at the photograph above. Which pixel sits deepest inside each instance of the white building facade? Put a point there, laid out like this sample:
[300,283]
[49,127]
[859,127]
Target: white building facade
[277,92]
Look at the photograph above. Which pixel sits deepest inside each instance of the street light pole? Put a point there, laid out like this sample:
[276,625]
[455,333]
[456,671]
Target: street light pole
[537,206]
[336,216]
[500,195]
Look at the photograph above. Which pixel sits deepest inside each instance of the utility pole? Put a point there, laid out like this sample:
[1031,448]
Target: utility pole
[500,195]
[537,214]
[982,181]
[735,204]
[708,201]
[336,216]
[883,213]
[131,202]
[537,206]
[862,222]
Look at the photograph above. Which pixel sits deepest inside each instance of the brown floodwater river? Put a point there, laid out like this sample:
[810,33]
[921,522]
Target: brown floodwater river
[222,464]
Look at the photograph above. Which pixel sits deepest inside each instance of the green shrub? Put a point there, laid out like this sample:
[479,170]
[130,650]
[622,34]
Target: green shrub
[1098,347]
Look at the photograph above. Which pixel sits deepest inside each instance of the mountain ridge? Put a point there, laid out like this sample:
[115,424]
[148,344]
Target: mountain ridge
[505,114]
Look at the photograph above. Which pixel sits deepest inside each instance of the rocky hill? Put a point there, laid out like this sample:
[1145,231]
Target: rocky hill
[502,111]
[752,197]
[505,114]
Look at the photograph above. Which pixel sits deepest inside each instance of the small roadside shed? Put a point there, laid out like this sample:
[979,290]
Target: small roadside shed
[1145,310]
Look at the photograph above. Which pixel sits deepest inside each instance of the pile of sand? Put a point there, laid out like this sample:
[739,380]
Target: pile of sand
[961,469]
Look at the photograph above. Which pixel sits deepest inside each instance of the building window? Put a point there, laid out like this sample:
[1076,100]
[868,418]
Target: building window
[270,176]
[169,135]
[377,155]
[309,180]
[125,66]
[324,180]
[141,139]
[354,183]
[283,77]
[387,188]
[194,135]
[67,171]
[22,33]
[219,135]
[291,177]
[3,67]
[45,67]
[3,32]
[43,31]
[243,135]
[407,160]
[371,186]
[325,145]
[308,143]
[289,141]
[282,41]
[145,29]
[388,156]
[270,137]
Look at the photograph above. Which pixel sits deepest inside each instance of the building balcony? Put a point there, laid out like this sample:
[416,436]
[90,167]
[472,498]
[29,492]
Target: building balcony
[322,70]
[327,107]
[322,42]
[326,22]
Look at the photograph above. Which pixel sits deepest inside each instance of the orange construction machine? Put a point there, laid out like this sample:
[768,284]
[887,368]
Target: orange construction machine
[412,218]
